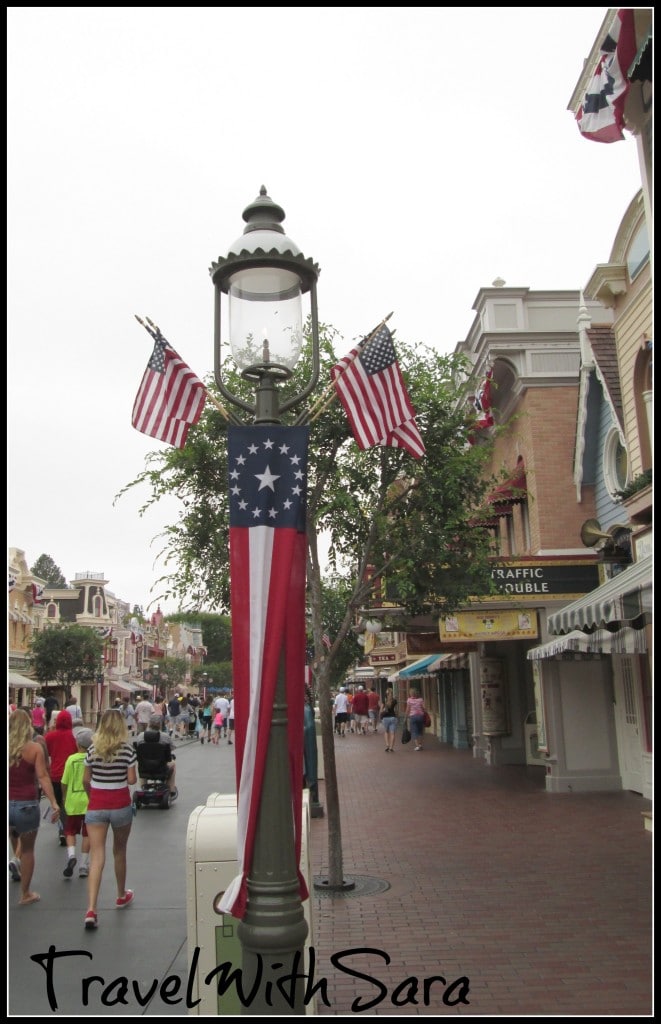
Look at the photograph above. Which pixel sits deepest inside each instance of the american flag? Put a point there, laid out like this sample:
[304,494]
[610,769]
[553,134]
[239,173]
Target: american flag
[267,492]
[601,115]
[370,385]
[12,582]
[326,641]
[37,593]
[170,398]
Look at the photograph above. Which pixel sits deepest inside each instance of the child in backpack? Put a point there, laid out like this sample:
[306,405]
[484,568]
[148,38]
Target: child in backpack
[217,727]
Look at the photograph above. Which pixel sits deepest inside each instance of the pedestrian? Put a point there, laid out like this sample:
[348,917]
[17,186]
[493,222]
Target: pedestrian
[51,704]
[230,720]
[129,714]
[27,771]
[374,705]
[221,703]
[144,709]
[218,722]
[73,707]
[415,714]
[61,743]
[174,710]
[389,719]
[360,710]
[206,719]
[75,804]
[110,768]
[350,721]
[38,715]
[341,706]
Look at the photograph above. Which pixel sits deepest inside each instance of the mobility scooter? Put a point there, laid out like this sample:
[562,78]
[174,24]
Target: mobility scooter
[153,772]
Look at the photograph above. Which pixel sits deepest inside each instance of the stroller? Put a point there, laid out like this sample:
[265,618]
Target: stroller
[153,770]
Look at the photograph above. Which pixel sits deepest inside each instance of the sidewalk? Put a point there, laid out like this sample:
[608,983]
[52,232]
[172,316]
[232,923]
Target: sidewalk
[542,902]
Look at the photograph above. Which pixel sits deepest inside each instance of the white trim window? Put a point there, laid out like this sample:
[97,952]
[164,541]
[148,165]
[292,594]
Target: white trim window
[616,463]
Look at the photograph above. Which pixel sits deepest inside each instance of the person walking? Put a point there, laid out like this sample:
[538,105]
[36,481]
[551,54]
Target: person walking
[230,720]
[76,800]
[360,710]
[61,744]
[341,706]
[374,705]
[39,716]
[218,722]
[223,705]
[51,704]
[415,713]
[206,719]
[27,770]
[110,768]
[389,720]
[144,709]
[73,707]
[174,711]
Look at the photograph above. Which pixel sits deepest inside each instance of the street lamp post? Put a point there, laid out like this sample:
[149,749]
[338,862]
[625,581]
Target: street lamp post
[264,277]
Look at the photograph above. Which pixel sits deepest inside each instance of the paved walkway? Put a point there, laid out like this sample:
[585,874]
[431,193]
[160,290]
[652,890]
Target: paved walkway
[541,903]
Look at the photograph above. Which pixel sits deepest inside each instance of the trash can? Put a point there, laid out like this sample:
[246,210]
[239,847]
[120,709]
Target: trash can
[210,867]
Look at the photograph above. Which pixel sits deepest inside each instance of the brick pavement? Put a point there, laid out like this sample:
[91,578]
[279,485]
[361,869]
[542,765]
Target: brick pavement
[542,901]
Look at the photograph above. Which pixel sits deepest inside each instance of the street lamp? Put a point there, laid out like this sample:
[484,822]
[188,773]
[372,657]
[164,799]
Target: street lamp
[264,277]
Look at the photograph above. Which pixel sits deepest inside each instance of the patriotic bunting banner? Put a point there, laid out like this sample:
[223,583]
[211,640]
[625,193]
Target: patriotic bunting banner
[601,115]
[267,493]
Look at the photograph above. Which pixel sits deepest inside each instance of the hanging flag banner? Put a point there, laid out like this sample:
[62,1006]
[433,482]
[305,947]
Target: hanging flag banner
[601,115]
[267,494]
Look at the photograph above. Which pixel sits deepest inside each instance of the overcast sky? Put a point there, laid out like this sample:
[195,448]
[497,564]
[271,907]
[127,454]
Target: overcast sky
[418,153]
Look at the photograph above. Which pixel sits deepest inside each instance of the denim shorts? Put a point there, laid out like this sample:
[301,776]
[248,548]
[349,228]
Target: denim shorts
[417,723]
[118,817]
[24,816]
[389,723]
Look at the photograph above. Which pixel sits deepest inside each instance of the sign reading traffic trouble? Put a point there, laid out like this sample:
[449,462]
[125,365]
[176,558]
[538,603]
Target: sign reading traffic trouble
[541,578]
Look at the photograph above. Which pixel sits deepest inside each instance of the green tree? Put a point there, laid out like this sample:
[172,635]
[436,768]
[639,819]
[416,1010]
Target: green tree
[171,674]
[45,569]
[407,519]
[65,655]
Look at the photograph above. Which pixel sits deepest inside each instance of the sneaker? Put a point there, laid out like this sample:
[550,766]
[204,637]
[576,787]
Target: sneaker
[91,920]
[174,794]
[83,871]
[68,871]
[62,839]
[123,901]
[14,871]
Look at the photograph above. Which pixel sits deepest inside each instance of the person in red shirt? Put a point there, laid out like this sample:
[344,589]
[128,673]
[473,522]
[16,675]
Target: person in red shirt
[374,703]
[61,743]
[360,709]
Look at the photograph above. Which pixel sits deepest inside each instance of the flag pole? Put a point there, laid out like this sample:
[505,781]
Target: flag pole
[329,392]
[155,332]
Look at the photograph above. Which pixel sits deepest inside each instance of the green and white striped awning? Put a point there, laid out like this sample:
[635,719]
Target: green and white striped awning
[618,602]
[621,641]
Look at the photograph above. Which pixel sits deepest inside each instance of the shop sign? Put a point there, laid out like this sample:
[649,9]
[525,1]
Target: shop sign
[538,579]
[482,626]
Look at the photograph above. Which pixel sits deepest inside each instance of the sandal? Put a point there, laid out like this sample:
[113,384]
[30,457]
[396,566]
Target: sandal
[123,901]
[30,897]
[91,920]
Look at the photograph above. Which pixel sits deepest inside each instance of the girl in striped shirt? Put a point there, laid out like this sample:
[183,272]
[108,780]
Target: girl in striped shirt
[110,768]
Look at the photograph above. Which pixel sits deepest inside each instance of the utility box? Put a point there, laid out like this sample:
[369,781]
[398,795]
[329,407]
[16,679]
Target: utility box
[210,867]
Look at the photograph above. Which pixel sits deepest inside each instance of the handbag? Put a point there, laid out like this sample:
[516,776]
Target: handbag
[427,720]
[406,735]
